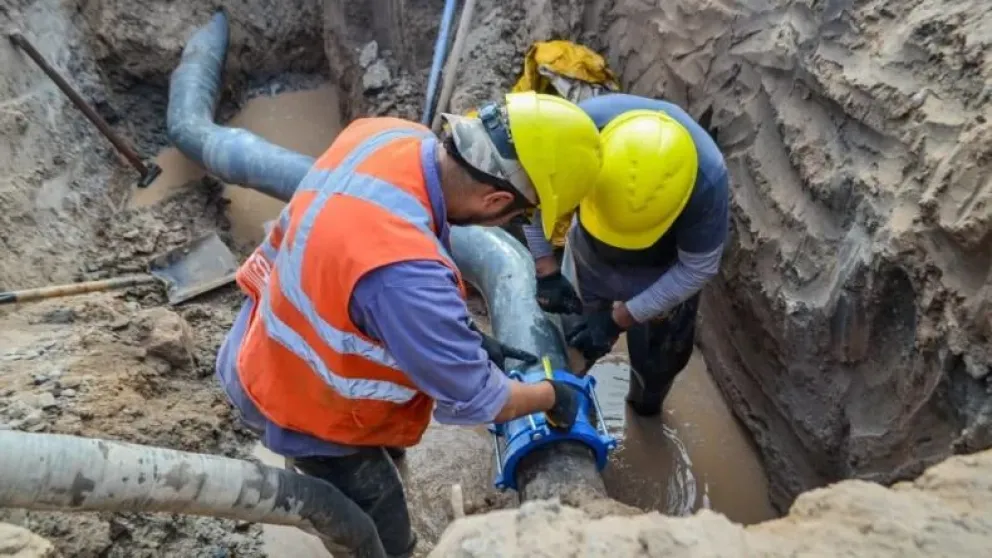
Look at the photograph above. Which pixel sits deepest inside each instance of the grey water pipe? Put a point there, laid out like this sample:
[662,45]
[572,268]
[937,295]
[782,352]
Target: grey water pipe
[70,473]
[451,68]
[503,271]
[490,258]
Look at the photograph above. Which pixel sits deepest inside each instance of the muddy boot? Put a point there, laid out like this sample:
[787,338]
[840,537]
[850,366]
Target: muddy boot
[646,402]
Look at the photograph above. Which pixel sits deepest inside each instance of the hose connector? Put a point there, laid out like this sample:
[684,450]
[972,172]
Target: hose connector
[515,439]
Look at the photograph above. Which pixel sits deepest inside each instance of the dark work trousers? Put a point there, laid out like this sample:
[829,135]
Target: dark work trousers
[659,350]
[371,480]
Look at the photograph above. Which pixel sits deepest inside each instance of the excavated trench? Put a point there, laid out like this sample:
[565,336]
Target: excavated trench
[849,329]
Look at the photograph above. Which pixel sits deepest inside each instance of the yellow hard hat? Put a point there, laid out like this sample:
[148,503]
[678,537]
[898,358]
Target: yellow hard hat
[558,146]
[649,170]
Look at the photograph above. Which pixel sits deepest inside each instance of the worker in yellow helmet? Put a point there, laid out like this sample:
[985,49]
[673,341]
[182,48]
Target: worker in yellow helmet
[543,148]
[646,239]
[386,344]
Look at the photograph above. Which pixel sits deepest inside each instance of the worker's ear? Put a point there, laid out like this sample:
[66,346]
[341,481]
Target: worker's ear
[496,200]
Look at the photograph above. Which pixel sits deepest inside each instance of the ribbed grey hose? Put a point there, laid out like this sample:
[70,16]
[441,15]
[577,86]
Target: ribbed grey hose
[490,258]
[232,154]
[70,473]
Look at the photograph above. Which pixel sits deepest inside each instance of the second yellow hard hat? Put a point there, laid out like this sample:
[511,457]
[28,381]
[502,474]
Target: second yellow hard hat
[648,173]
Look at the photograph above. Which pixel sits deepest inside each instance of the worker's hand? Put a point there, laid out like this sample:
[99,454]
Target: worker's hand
[498,352]
[595,335]
[562,415]
[556,295]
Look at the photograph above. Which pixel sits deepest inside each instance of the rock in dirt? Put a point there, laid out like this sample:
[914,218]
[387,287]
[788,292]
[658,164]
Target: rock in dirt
[167,337]
[59,316]
[376,77]
[43,400]
[18,542]
[943,513]
[368,54]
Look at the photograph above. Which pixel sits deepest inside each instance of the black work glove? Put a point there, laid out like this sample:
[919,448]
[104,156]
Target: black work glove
[595,334]
[562,415]
[499,352]
[556,295]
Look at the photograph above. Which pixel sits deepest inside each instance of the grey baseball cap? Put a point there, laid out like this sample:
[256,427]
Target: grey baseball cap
[477,148]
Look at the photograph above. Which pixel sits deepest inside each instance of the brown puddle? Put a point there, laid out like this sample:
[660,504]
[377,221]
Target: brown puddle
[304,121]
[695,455]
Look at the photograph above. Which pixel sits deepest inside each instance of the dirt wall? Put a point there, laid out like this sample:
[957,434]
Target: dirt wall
[61,178]
[943,513]
[850,324]
[500,34]
[119,365]
[52,165]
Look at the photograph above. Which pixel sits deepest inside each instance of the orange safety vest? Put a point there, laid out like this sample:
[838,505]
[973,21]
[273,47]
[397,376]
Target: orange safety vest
[304,364]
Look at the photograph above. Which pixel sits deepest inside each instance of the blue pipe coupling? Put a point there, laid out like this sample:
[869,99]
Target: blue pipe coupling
[515,439]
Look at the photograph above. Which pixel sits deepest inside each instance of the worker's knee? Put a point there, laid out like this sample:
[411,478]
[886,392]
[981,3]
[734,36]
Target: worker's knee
[659,351]
[370,479]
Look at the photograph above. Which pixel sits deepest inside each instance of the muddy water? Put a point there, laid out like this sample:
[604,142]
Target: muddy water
[304,121]
[694,455]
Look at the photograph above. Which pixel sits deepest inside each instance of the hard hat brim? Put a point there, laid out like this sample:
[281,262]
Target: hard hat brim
[596,226]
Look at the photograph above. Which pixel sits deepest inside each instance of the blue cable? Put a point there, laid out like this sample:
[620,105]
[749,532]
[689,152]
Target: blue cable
[440,49]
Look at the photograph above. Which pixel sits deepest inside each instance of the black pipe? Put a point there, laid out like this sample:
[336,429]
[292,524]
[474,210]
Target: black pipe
[503,271]
[234,155]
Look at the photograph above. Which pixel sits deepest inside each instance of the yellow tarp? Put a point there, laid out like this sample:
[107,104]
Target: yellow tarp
[565,59]
[568,70]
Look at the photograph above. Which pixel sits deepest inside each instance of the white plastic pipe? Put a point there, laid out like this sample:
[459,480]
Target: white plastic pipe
[69,473]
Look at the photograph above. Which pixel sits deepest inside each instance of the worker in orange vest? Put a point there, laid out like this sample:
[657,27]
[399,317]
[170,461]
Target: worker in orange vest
[355,330]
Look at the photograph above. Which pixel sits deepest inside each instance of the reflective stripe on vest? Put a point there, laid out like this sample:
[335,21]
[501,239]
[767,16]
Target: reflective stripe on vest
[289,263]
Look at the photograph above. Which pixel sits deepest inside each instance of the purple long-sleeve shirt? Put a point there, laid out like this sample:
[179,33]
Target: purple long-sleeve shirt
[416,311]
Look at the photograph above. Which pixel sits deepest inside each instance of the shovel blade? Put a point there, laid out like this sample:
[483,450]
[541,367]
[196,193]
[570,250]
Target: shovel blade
[195,268]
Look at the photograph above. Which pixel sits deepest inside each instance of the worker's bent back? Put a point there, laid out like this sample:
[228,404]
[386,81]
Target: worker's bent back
[303,362]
